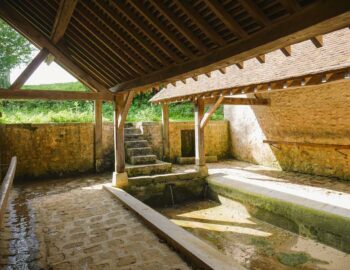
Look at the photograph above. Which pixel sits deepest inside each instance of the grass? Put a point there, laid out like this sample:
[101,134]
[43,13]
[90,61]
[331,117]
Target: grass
[36,111]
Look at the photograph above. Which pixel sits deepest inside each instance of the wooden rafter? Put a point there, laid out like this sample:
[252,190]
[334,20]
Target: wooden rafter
[121,7]
[317,41]
[287,51]
[226,18]
[200,22]
[237,101]
[210,111]
[126,106]
[54,95]
[160,27]
[261,58]
[33,65]
[40,40]
[255,12]
[181,27]
[144,43]
[326,15]
[64,15]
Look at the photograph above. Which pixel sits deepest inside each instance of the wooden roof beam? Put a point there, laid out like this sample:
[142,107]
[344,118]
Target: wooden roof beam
[24,76]
[317,41]
[210,111]
[226,18]
[16,21]
[180,26]
[200,22]
[239,101]
[161,28]
[64,14]
[261,58]
[240,65]
[255,12]
[54,95]
[122,8]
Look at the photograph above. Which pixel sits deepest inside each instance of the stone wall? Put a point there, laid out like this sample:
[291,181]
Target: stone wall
[45,150]
[318,114]
[216,137]
[48,149]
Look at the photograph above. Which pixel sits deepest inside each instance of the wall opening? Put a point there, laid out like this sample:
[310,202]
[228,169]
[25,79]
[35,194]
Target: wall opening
[187,143]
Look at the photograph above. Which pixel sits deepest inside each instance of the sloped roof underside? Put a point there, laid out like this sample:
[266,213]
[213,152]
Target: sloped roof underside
[126,45]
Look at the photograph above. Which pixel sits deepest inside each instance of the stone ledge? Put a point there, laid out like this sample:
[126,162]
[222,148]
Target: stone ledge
[196,251]
[191,160]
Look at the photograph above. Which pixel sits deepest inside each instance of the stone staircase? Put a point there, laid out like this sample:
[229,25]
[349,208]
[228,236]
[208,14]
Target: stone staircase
[139,156]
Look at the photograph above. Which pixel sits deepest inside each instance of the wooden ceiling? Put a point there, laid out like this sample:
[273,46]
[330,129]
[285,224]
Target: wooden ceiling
[124,45]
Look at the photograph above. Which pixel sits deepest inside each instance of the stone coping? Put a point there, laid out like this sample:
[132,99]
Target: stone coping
[198,252]
[310,197]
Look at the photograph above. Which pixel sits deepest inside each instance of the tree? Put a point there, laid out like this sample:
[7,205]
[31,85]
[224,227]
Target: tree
[14,50]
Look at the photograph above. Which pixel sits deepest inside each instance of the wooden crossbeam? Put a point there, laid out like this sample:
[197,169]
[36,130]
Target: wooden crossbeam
[37,38]
[238,101]
[54,95]
[240,65]
[24,76]
[64,14]
[210,111]
[261,58]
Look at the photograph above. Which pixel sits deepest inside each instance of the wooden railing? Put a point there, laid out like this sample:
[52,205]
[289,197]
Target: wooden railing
[6,187]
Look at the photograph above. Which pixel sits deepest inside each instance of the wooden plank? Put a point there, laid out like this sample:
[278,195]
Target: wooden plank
[202,255]
[98,152]
[210,112]
[126,106]
[165,131]
[317,19]
[29,70]
[6,188]
[308,144]
[199,132]
[54,95]
[22,26]
[64,14]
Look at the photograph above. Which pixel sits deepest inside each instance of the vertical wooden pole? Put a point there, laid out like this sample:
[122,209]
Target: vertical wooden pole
[98,136]
[120,177]
[199,138]
[165,128]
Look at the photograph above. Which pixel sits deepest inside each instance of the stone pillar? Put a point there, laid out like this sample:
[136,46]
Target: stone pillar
[165,129]
[199,138]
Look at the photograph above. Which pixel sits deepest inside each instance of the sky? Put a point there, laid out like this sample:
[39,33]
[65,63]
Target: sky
[45,74]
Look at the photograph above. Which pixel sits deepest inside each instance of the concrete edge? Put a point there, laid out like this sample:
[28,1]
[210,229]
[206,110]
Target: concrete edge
[283,196]
[195,250]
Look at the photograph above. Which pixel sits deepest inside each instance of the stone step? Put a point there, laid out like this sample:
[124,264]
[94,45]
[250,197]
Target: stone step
[145,159]
[133,137]
[140,151]
[136,144]
[159,167]
[132,131]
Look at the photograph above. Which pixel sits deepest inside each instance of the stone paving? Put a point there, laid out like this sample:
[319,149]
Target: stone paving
[87,228]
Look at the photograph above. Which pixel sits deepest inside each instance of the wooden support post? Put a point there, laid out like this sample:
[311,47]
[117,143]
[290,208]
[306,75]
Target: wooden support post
[121,107]
[199,138]
[165,128]
[98,136]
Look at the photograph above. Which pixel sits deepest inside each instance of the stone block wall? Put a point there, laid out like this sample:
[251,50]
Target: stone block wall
[216,137]
[317,114]
[48,149]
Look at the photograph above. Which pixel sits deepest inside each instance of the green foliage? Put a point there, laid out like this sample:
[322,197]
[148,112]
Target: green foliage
[82,111]
[14,50]
[293,259]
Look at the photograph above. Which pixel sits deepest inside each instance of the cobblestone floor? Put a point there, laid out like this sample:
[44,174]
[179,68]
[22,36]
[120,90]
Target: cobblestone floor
[78,226]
